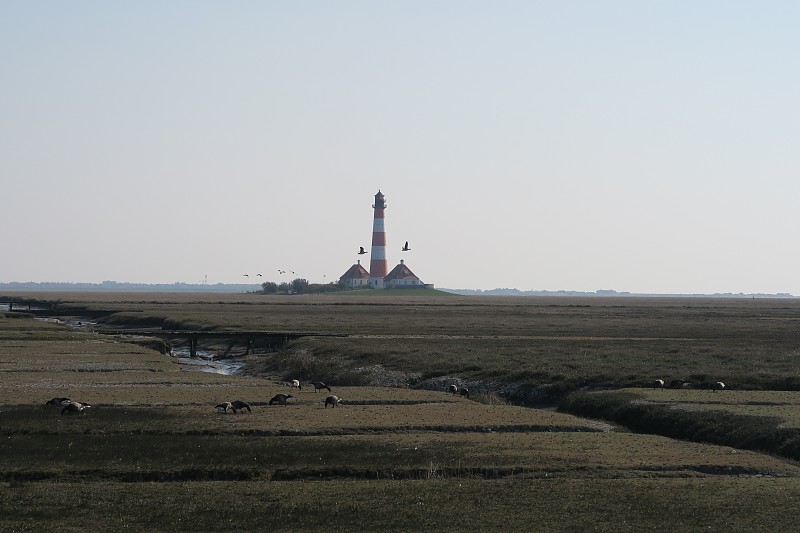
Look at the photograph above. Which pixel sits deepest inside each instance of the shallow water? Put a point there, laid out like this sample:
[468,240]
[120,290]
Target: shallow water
[75,322]
[204,362]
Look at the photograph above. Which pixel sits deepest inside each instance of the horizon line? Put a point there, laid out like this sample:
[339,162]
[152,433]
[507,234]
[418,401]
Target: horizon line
[563,292]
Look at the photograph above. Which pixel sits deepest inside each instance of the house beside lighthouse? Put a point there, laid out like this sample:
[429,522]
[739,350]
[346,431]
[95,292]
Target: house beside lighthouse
[379,276]
[356,277]
[401,277]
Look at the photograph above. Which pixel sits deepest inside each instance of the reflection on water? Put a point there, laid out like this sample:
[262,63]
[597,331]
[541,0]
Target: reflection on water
[75,322]
[204,362]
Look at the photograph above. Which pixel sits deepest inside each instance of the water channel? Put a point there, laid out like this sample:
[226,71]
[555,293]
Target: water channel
[204,362]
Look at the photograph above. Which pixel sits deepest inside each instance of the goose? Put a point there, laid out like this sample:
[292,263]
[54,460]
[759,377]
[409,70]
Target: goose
[240,405]
[318,385]
[224,406]
[405,248]
[332,400]
[361,250]
[58,402]
[74,407]
[280,399]
[453,389]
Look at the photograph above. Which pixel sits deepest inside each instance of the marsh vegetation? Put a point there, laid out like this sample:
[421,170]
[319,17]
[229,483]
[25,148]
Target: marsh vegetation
[400,453]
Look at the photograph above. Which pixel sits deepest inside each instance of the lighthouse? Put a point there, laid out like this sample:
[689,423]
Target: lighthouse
[378,265]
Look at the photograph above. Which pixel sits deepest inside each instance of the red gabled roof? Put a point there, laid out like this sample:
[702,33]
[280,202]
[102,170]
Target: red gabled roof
[401,271]
[356,272]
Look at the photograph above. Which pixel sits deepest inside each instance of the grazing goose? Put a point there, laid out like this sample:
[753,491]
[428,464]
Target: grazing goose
[58,402]
[72,408]
[224,406]
[332,400]
[453,389]
[240,405]
[318,385]
[280,399]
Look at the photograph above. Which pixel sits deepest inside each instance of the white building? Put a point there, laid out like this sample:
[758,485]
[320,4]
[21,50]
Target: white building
[356,277]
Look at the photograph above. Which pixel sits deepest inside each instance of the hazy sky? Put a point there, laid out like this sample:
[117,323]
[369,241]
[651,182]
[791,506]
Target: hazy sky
[581,145]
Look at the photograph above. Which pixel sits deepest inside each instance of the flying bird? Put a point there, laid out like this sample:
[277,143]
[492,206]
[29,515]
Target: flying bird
[247,275]
[406,248]
[258,274]
[281,271]
[361,250]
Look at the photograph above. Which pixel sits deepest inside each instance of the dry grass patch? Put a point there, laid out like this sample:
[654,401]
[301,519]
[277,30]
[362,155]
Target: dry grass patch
[424,505]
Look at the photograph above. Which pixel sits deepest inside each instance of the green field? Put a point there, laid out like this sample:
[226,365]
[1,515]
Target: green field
[400,453]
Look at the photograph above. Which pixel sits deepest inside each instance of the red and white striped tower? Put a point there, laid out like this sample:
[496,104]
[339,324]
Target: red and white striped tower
[378,265]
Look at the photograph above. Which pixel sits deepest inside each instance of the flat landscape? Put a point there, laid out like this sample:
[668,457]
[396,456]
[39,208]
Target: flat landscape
[561,429]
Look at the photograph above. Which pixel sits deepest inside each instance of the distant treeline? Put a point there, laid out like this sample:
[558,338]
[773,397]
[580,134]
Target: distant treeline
[300,286]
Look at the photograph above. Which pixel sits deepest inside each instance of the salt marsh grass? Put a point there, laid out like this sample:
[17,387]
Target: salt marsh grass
[152,453]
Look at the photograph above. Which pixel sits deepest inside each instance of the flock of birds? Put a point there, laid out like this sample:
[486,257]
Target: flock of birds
[405,248]
[680,383]
[361,251]
[280,399]
[70,407]
[280,271]
[454,389]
